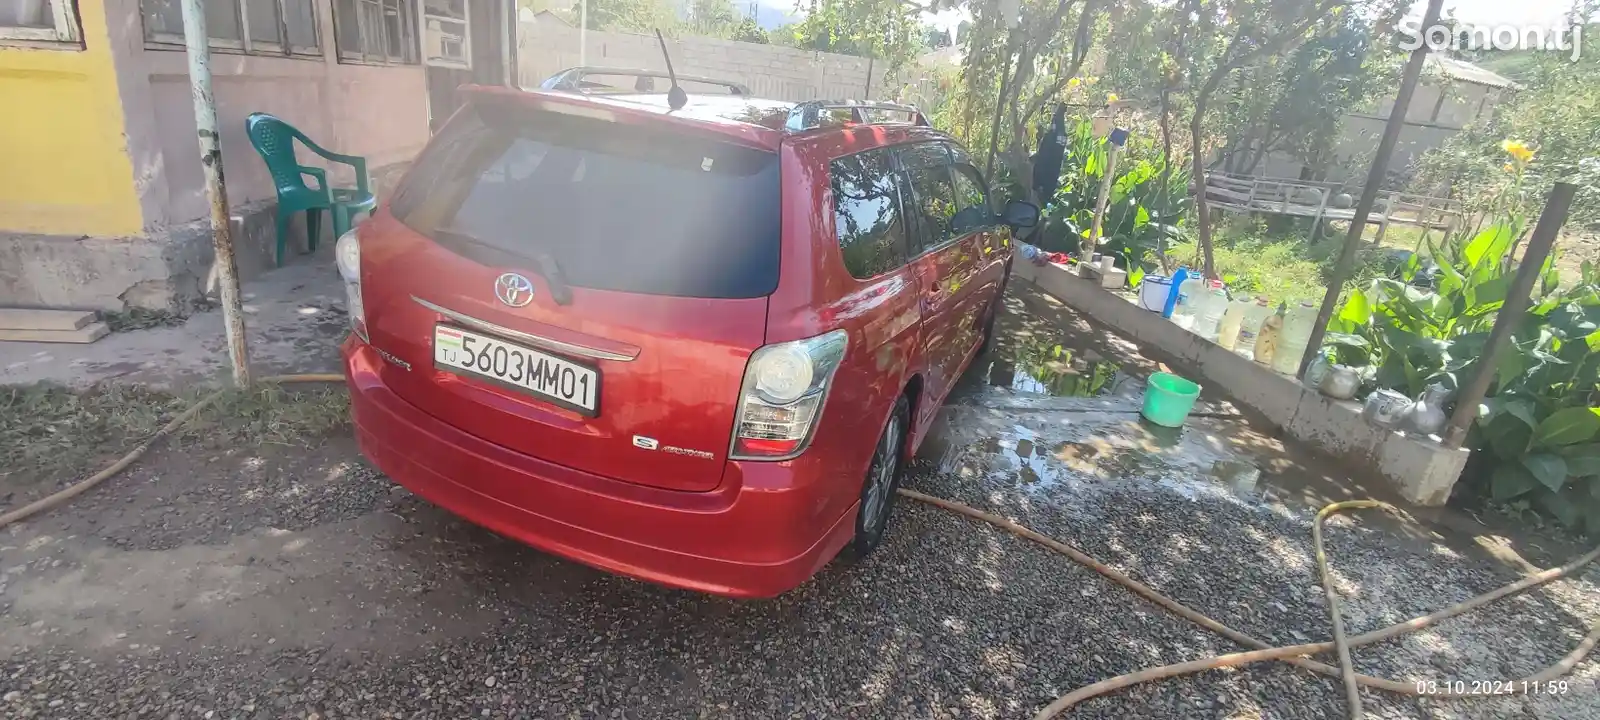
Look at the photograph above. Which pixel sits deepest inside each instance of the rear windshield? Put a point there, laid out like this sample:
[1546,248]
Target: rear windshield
[616,206]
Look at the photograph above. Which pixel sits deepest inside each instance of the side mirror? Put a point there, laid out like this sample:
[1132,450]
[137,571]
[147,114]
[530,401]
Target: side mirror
[1020,215]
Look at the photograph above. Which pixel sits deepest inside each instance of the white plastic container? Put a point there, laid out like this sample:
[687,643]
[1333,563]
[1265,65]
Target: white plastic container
[1186,311]
[1250,327]
[1296,335]
[1232,319]
[1153,292]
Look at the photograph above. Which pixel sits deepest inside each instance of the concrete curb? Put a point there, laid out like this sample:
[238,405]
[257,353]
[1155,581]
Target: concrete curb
[1424,472]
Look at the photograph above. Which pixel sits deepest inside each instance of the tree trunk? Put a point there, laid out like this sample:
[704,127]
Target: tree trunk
[1202,207]
[1166,168]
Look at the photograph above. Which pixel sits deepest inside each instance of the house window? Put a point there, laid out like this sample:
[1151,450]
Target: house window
[376,31]
[445,38]
[257,27]
[38,20]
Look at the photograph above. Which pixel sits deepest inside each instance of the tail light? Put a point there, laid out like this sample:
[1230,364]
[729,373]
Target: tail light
[347,255]
[784,387]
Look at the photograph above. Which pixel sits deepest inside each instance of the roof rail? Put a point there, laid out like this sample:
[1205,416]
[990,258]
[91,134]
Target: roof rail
[808,115]
[571,79]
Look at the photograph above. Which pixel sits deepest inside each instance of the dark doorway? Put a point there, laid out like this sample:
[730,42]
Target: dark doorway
[465,42]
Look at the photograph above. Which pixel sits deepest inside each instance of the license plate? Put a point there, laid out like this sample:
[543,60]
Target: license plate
[547,377]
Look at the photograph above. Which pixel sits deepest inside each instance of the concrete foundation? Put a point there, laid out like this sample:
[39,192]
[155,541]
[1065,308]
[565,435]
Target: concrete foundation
[1423,471]
[165,270]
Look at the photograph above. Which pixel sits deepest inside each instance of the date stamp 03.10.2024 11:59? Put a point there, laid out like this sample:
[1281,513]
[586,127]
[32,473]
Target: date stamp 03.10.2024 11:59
[1552,688]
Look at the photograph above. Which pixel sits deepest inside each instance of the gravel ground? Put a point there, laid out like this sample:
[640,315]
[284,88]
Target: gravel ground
[281,582]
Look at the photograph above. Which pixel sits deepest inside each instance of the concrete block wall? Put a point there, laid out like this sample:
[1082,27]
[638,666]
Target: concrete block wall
[1422,471]
[770,71]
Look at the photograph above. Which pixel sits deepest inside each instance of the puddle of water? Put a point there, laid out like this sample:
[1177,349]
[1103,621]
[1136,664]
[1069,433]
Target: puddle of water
[1047,367]
[1060,455]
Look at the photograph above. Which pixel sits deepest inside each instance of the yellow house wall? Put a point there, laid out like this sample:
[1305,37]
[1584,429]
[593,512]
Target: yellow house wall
[64,167]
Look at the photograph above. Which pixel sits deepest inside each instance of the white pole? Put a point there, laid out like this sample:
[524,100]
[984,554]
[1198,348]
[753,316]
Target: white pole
[205,121]
[583,33]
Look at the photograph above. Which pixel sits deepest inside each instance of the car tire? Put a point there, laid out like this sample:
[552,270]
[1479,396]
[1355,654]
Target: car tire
[990,319]
[879,487]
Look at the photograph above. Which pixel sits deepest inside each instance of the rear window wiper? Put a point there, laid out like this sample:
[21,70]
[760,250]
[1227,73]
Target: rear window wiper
[545,263]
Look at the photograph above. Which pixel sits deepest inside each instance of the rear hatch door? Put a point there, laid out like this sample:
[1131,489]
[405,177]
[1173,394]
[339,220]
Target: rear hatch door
[582,286]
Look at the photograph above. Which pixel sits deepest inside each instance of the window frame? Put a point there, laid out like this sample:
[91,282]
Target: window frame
[975,176]
[158,40]
[465,63]
[896,177]
[909,188]
[64,26]
[408,11]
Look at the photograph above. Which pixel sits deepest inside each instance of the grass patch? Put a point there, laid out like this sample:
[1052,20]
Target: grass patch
[1281,264]
[1273,269]
[51,435]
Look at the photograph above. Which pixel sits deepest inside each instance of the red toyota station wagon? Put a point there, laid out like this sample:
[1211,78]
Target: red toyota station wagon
[692,345]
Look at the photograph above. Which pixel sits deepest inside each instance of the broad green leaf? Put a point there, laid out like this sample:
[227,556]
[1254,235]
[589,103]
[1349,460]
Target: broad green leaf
[1593,341]
[1511,480]
[1513,363]
[1356,311]
[1346,339]
[1135,276]
[1489,295]
[1568,426]
[1583,461]
[1550,275]
[1522,410]
[1488,246]
[1450,279]
[1548,468]
[1509,436]
[1561,506]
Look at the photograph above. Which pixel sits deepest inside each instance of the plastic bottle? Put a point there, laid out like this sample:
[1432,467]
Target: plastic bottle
[1267,343]
[1296,335]
[1250,327]
[1232,320]
[1209,311]
[1191,294]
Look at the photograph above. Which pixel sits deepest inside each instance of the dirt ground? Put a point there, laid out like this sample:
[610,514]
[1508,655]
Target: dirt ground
[256,567]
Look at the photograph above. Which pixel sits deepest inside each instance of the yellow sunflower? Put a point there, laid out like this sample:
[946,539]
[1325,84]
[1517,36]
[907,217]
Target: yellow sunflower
[1518,150]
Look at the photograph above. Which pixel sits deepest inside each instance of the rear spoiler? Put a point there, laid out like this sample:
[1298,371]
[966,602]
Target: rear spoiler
[571,80]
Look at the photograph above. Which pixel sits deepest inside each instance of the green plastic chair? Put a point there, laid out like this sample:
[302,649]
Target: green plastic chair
[274,140]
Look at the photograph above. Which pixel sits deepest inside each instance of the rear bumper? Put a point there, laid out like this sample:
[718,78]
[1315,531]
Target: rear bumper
[758,535]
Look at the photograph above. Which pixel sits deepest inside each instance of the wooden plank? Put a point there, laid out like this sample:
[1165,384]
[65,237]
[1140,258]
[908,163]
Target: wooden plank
[31,319]
[81,336]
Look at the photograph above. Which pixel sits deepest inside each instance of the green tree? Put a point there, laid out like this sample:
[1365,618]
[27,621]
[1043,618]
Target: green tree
[713,17]
[1012,69]
[1229,35]
[748,31]
[1556,112]
[885,29]
[637,15]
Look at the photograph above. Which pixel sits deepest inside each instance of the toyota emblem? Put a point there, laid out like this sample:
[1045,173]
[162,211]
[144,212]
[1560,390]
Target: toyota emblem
[514,290]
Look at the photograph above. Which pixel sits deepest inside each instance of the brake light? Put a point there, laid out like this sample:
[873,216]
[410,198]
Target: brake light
[347,256]
[782,395]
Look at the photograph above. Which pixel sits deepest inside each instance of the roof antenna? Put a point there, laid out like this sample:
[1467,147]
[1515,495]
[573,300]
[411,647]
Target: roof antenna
[676,97]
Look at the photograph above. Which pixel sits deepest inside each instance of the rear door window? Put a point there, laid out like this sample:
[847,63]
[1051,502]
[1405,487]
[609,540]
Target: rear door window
[867,219]
[973,211]
[617,206]
[933,193]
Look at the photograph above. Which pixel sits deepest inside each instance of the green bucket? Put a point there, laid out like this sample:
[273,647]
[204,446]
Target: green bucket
[1168,399]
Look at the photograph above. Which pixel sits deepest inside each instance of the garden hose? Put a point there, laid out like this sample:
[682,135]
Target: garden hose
[1293,654]
[1297,655]
[83,486]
